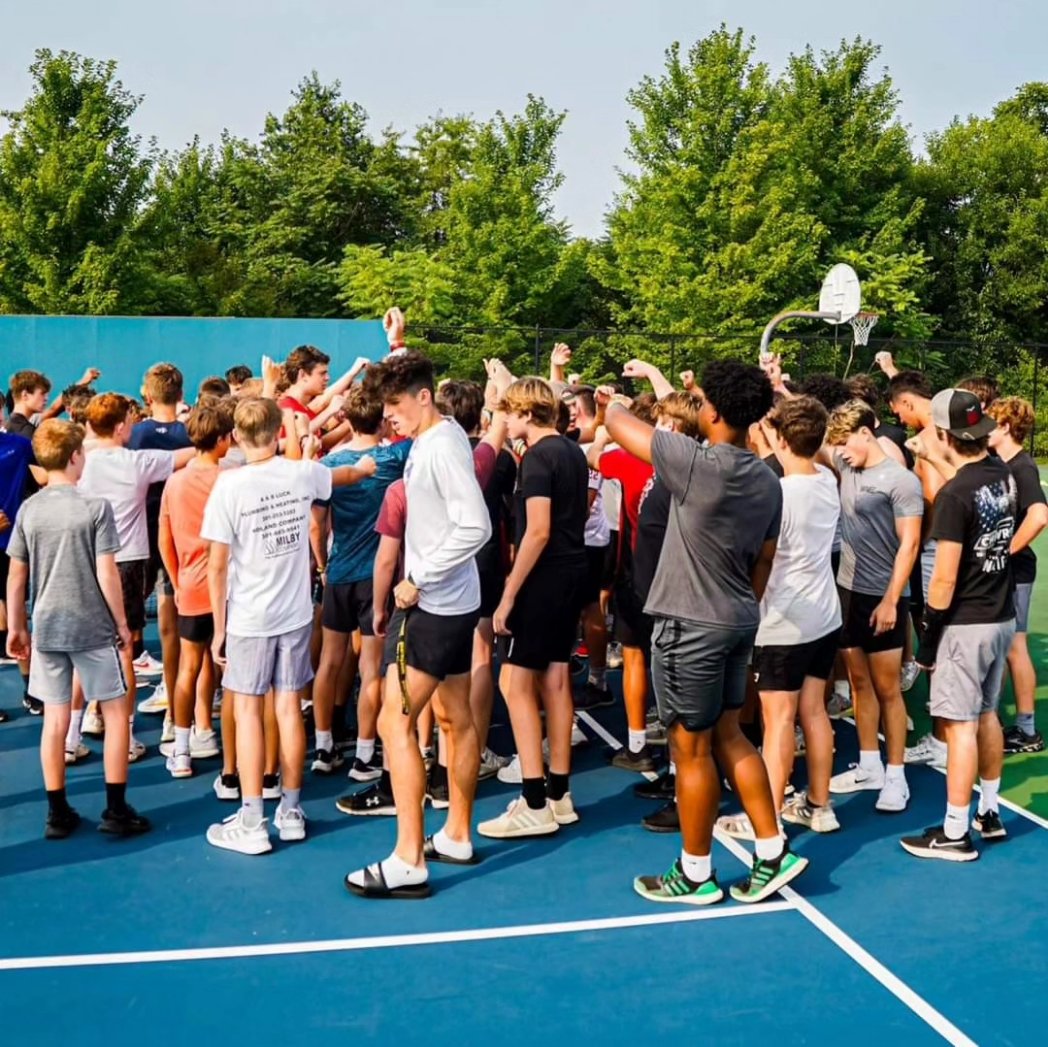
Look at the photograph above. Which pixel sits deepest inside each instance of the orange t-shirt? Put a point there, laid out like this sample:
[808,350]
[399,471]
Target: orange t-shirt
[185,496]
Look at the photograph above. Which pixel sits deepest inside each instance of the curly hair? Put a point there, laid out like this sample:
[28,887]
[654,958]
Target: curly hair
[409,372]
[740,393]
[829,390]
[1016,413]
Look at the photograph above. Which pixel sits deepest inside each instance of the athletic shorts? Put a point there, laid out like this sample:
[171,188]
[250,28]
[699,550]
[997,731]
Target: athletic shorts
[698,671]
[632,626]
[5,570]
[857,610]
[492,583]
[927,562]
[544,622]
[254,664]
[133,584]
[348,607]
[100,669]
[156,577]
[196,628]
[785,668]
[611,555]
[594,577]
[1023,596]
[439,645]
[969,670]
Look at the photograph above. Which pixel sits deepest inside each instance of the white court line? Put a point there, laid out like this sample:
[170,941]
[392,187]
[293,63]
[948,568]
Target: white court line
[870,964]
[1017,808]
[390,941]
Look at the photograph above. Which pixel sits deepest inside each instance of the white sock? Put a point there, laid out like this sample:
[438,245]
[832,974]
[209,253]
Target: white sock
[73,734]
[842,687]
[938,745]
[596,677]
[769,848]
[988,799]
[871,761]
[697,867]
[955,824]
[452,848]
[637,740]
[325,741]
[365,749]
[895,772]
[398,873]
[181,741]
[253,812]
[673,769]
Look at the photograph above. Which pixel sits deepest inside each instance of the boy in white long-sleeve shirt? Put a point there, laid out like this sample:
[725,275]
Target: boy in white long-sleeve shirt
[430,635]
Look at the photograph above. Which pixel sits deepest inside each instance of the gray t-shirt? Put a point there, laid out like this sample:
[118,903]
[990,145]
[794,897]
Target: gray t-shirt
[58,533]
[871,501]
[725,503]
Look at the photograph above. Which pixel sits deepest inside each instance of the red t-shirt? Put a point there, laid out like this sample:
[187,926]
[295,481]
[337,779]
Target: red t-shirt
[289,403]
[633,474]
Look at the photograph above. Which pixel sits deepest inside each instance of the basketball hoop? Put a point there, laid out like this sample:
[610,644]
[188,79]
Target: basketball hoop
[862,324]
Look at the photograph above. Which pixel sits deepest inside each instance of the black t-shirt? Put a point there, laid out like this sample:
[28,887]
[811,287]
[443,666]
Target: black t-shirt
[652,517]
[20,425]
[1029,491]
[978,510]
[773,463]
[897,435]
[555,468]
[497,497]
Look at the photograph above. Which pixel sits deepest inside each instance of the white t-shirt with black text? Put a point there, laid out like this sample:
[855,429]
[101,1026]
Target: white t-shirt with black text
[262,513]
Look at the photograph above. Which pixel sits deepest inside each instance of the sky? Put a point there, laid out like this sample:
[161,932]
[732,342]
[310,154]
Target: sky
[223,64]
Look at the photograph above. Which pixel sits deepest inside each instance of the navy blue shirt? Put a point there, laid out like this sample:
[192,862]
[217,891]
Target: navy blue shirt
[152,435]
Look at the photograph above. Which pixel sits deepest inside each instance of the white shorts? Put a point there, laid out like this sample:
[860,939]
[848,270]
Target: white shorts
[256,664]
[100,670]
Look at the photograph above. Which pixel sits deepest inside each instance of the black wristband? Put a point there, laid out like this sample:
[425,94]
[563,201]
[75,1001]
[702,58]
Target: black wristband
[933,621]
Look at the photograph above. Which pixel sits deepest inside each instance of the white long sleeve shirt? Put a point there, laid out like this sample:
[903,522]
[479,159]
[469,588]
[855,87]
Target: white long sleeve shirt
[447,521]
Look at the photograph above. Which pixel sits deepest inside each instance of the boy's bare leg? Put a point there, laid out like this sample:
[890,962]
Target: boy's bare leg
[451,703]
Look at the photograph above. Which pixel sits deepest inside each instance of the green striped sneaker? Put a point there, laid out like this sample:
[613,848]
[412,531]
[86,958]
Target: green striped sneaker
[768,877]
[674,886]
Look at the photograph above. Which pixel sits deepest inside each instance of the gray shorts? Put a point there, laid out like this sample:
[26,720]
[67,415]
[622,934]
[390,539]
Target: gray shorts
[254,664]
[969,670]
[698,671]
[100,670]
[1023,596]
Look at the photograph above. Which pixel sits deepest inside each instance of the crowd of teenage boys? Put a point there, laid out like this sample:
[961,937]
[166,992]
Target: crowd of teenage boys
[373,556]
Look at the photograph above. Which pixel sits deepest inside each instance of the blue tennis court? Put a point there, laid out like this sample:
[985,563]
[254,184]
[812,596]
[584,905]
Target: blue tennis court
[545,939]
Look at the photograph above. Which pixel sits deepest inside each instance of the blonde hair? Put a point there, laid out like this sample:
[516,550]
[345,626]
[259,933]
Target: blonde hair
[849,418]
[258,421]
[55,442]
[532,396]
[682,409]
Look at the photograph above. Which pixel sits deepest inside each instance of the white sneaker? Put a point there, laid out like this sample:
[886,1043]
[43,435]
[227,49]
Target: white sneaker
[272,792]
[929,750]
[856,779]
[839,705]
[180,766]
[167,732]
[736,825]
[564,810]
[798,811]
[614,660]
[81,752]
[216,702]
[577,735]
[93,724]
[146,665]
[135,750]
[520,820]
[203,744]
[233,835]
[490,765]
[908,676]
[156,702]
[509,773]
[894,797]
[655,734]
[291,821]
[223,791]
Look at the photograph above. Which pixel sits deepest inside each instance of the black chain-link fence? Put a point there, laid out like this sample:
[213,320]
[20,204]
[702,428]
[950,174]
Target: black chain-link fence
[598,356]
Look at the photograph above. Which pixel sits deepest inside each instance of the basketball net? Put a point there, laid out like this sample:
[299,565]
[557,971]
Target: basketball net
[862,324]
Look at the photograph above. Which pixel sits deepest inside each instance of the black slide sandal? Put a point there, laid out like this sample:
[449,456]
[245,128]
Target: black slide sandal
[431,854]
[375,886]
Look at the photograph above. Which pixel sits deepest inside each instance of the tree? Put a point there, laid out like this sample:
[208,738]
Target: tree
[72,181]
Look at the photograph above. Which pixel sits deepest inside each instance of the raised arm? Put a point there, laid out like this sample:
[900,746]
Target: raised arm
[660,384]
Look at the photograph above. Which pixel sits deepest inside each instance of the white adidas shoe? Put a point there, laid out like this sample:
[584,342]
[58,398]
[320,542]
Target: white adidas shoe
[520,820]
[232,834]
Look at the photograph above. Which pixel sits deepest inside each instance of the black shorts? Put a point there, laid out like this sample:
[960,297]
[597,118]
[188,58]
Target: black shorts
[785,668]
[594,577]
[196,628]
[133,584]
[856,611]
[156,577]
[545,619]
[5,569]
[632,626]
[349,607]
[439,645]
[492,582]
[611,555]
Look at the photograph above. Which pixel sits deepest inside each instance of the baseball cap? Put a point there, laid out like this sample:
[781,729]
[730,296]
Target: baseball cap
[959,413]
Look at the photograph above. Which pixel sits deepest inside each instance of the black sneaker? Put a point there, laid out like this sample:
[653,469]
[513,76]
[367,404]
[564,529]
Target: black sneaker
[324,762]
[1016,741]
[371,771]
[3,716]
[437,794]
[934,843]
[663,788]
[370,801]
[665,820]
[127,822]
[345,737]
[32,705]
[642,762]
[60,824]
[989,826]
[271,787]
[593,697]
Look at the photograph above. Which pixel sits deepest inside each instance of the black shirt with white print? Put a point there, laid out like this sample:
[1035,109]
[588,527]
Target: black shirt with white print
[1029,490]
[978,509]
